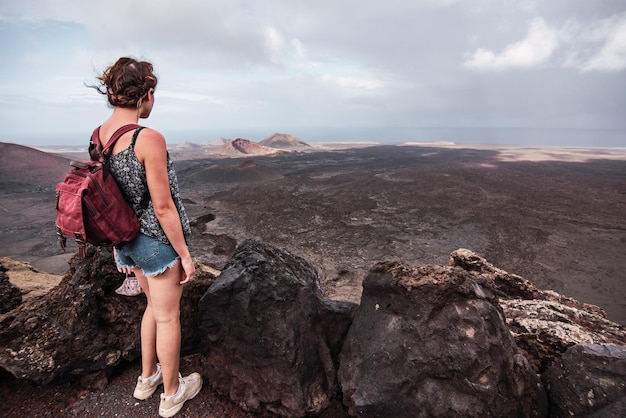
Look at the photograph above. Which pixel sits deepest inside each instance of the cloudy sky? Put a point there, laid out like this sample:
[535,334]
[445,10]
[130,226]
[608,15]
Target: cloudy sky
[371,70]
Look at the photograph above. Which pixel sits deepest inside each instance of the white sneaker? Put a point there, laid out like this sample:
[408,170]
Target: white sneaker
[147,385]
[188,388]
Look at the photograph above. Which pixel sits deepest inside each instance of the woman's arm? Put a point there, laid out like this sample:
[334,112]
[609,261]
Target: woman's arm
[151,151]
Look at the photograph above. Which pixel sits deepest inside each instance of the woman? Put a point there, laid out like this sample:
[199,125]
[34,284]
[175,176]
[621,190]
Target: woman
[158,256]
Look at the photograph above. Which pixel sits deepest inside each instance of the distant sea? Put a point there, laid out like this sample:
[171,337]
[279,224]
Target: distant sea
[534,137]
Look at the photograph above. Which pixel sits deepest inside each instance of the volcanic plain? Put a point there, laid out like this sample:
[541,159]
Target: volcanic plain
[553,216]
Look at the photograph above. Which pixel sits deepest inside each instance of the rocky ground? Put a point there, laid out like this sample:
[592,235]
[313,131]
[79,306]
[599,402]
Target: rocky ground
[554,217]
[115,400]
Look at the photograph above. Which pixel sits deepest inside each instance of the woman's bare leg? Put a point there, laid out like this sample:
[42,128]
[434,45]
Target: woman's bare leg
[148,331]
[163,331]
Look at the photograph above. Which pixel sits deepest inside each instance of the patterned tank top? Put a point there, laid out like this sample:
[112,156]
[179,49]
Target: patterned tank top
[131,177]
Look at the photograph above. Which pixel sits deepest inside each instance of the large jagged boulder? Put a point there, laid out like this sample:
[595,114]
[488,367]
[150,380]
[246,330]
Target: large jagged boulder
[10,295]
[544,323]
[81,329]
[589,380]
[271,337]
[432,341]
[73,330]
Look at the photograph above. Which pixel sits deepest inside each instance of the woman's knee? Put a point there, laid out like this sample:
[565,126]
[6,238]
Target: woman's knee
[166,317]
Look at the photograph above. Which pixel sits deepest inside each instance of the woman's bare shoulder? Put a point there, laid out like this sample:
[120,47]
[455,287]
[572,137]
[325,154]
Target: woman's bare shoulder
[150,143]
[151,133]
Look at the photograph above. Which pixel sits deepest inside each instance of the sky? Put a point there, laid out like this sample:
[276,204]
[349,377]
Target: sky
[549,72]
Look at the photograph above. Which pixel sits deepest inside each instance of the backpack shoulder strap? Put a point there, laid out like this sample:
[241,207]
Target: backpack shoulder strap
[95,138]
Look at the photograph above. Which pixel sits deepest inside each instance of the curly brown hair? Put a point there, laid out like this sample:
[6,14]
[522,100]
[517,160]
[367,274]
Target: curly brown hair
[126,82]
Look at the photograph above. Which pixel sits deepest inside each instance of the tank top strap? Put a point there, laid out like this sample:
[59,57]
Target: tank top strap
[135,135]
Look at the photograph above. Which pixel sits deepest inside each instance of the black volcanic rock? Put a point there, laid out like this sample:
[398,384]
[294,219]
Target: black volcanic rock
[590,380]
[433,339]
[284,141]
[271,337]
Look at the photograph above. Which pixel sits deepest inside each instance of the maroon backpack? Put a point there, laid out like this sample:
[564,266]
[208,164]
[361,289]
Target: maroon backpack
[90,206]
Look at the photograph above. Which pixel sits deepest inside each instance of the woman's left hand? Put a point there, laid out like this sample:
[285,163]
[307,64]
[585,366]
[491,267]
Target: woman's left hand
[125,269]
[189,270]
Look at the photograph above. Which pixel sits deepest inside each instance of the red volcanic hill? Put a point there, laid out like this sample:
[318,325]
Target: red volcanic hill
[24,165]
[284,141]
[239,147]
[248,171]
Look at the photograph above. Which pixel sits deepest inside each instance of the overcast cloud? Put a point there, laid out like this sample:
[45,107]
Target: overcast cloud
[321,70]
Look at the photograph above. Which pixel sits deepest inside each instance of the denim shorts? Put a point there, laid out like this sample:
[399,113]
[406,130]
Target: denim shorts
[148,253]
